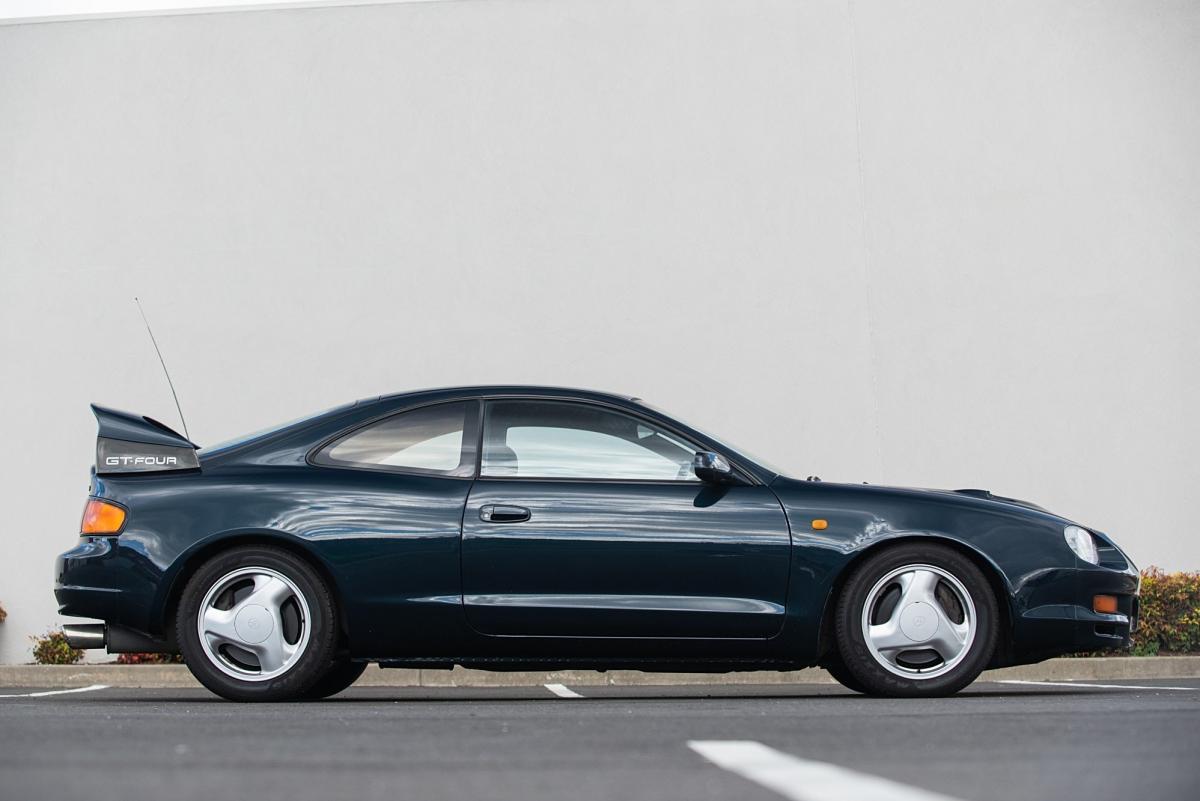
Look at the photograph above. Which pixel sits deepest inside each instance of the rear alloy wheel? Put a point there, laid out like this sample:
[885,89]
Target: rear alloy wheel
[257,624]
[916,620]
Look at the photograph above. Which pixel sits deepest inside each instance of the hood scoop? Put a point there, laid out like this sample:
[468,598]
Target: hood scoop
[988,496]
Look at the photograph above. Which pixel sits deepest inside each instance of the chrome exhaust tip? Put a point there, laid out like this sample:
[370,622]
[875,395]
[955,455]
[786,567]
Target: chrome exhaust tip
[91,635]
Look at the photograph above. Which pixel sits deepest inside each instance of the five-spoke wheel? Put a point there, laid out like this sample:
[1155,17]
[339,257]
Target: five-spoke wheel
[915,619]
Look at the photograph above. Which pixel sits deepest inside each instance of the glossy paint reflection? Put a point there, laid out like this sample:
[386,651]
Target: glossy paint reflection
[643,543]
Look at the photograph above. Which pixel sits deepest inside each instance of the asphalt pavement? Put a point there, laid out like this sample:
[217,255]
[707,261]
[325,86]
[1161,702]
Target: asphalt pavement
[993,742]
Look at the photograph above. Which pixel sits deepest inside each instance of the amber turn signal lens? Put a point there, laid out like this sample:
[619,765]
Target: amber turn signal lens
[101,517]
[1105,603]
[820,525]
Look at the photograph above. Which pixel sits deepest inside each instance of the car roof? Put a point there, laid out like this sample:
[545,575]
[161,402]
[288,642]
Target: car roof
[486,390]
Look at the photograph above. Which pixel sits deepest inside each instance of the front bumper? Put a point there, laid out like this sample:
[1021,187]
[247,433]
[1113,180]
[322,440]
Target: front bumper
[1059,616]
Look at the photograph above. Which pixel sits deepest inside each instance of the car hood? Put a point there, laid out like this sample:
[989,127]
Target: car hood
[980,494]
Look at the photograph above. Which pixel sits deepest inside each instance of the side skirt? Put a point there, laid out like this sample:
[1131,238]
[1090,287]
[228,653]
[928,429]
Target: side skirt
[582,663]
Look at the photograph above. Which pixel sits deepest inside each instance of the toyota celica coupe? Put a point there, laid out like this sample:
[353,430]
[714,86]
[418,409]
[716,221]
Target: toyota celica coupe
[531,528]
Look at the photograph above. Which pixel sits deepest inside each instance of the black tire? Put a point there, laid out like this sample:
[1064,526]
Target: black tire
[303,670]
[837,668]
[337,678]
[902,680]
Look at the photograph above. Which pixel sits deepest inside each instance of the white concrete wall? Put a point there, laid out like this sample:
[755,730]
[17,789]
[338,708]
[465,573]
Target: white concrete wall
[940,244]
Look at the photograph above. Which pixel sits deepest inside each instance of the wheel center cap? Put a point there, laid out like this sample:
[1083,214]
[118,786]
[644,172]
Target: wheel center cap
[253,623]
[919,622]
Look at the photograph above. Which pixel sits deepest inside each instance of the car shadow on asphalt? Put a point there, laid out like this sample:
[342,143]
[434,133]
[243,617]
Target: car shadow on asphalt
[440,698]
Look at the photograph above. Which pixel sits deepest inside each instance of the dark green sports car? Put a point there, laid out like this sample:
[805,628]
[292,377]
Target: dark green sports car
[518,528]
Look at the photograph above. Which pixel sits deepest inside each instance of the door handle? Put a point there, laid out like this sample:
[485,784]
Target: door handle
[503,513]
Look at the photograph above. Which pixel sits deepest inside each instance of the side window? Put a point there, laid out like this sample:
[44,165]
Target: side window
[555,439]
[433,439]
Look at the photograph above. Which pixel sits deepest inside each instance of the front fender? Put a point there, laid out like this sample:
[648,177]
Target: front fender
[1022,551]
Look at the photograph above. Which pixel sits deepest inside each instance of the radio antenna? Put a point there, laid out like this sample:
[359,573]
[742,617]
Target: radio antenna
[161,361]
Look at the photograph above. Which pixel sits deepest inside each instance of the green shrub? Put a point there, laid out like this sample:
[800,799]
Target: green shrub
[1169,622]
[52,649]
[149,659]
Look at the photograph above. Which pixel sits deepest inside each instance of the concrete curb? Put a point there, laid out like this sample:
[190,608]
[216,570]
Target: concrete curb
[171,676]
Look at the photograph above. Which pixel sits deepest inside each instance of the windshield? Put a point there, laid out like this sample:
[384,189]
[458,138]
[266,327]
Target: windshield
[751,457]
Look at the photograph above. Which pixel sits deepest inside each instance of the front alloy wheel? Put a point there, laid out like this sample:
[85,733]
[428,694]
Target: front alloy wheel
[257,624]
[919,621]
[916,620]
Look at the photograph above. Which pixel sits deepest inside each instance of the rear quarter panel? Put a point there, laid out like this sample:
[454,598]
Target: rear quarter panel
[388,543]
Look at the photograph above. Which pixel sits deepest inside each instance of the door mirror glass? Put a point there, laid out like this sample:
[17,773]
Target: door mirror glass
[712,468]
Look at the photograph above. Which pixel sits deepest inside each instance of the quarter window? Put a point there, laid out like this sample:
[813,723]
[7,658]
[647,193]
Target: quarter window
[553,439]
[434,439]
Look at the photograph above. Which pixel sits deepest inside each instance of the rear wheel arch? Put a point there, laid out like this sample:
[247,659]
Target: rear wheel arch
[193,560]
[826,646]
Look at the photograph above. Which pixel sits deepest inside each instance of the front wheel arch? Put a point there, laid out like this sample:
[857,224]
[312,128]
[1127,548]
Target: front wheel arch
[210,548]
[826,642]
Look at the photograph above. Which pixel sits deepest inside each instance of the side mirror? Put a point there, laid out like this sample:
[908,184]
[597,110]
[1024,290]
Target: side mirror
[713,468]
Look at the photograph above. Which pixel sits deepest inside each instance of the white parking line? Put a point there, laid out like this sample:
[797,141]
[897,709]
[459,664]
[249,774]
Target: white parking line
[44,693]
[1094,686]
[804,779]
[562,691]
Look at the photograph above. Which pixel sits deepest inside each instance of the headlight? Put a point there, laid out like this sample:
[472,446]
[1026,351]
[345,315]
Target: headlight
[1082,543]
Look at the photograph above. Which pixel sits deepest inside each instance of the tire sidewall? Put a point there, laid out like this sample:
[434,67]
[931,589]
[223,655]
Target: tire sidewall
[312,665]
[852,646]
[842,675]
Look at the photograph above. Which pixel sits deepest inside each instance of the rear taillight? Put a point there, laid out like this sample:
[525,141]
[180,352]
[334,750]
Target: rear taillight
[101,517]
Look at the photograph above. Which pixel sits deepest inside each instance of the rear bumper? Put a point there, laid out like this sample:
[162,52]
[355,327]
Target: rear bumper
[105,579]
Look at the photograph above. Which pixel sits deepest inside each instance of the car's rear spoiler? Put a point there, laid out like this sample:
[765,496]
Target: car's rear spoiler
[133,443]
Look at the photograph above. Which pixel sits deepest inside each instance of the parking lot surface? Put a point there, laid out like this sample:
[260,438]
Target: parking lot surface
[1114,740]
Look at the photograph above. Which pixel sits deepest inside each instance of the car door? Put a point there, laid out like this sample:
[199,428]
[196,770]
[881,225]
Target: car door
[587,521]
